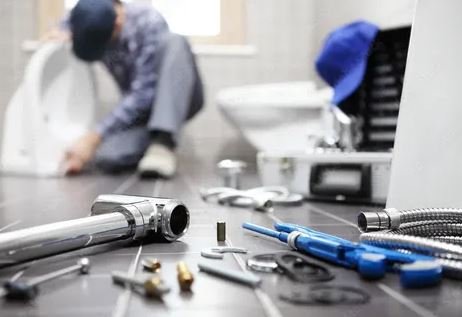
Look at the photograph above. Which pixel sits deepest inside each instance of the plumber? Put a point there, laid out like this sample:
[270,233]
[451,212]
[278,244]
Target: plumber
[157,75]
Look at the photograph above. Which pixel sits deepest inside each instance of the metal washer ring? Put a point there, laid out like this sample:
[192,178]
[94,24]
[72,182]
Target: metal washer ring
[263,263]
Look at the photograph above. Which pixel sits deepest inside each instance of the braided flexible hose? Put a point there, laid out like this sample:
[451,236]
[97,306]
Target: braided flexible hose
[391,218]
[417,244]
[426,229]
[431,231]
[430,214]
[449,239]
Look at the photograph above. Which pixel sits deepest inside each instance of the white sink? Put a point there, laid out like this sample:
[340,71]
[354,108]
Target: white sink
[281,116]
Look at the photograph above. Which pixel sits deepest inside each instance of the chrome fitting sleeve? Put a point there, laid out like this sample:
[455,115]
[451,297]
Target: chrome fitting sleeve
[168,218]
[373,221]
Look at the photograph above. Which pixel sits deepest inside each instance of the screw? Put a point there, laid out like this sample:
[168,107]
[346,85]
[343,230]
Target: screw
[153,286]
[18,290]
[185,277]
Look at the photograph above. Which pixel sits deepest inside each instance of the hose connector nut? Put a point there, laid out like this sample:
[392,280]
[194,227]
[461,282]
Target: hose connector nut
[394,216]
[373,221]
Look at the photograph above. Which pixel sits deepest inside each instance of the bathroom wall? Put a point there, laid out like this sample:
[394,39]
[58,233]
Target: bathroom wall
[281,33]
[16,24]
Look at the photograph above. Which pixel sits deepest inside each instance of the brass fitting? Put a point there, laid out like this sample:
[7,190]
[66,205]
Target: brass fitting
[151,265]
[185,277]
[155,287]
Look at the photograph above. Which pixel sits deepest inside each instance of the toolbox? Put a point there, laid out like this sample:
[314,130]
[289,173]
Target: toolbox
[336,175]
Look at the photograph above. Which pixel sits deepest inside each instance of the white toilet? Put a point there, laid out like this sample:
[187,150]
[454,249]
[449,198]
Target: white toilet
[54,105]
[284,117]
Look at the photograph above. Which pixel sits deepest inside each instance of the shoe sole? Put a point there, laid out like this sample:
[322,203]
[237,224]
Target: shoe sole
[152,175]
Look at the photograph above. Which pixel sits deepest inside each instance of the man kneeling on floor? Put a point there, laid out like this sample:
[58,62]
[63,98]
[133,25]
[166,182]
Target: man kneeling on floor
[159,80]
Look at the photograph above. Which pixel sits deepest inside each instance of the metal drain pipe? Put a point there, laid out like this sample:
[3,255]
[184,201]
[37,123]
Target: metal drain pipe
[113,217]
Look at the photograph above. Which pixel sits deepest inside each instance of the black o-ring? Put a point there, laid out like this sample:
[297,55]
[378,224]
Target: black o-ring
[317,273]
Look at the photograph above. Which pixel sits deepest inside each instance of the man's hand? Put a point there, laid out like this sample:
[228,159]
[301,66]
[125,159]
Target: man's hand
[81,153]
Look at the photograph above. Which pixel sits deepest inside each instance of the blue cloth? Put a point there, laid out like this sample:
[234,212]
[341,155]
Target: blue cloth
[92,25]
[343,59]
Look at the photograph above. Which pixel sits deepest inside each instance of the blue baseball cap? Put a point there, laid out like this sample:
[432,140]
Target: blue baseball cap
[343,59]
[92,24]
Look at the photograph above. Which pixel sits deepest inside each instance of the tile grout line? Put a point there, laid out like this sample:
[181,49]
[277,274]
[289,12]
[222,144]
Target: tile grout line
[126,184]
[124,298]
[419,310]
[123,187]
[270,309]
[19,200]
[10,225]
[340,219]
[123,301]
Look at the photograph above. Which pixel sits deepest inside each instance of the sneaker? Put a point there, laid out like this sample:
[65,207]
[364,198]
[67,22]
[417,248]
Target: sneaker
[158,161]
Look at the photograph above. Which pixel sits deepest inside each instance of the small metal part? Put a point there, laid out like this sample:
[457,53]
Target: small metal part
[151,265]
[185,277]
[289,200]
[208,253]
[259,198]
[221,231]
[245,278]
[217,252]
[18,290]
[231,171]
[153,286]
[263,263]
[373,221]
[240,198]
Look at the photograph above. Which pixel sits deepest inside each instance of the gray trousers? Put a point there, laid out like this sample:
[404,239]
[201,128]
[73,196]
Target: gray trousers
[179,96]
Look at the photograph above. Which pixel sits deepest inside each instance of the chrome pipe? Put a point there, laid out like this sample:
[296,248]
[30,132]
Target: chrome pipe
[113,217]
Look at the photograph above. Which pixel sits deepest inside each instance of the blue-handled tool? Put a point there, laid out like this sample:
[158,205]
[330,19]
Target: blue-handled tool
[371,262]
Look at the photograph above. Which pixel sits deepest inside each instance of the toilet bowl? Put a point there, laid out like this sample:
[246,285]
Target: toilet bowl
[289,116]
[53,106]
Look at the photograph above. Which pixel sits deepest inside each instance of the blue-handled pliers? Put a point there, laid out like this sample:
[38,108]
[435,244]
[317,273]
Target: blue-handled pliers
[371,262]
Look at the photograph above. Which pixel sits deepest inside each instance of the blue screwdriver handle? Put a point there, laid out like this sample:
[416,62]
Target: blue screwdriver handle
[391,255]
